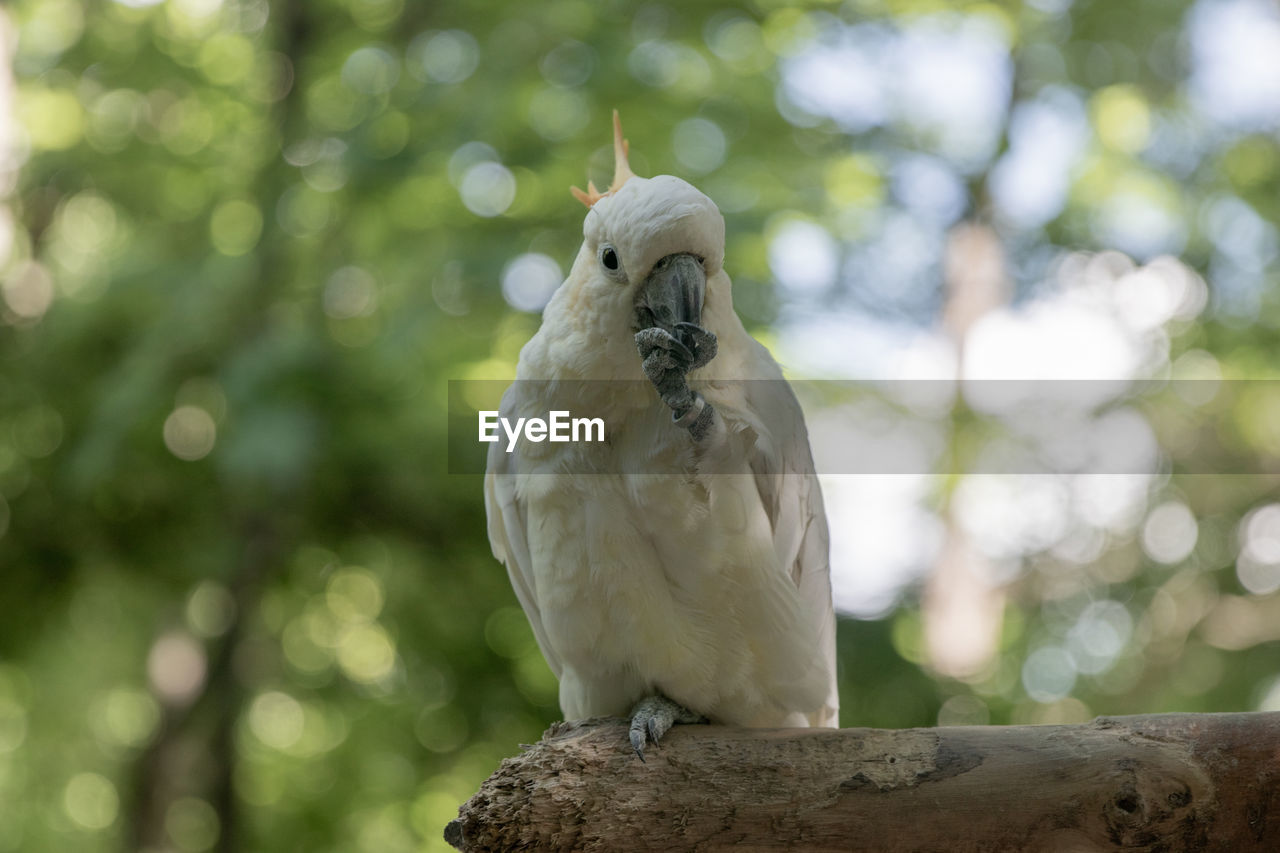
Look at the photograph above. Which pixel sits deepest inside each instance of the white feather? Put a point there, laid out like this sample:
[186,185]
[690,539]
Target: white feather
[700,571]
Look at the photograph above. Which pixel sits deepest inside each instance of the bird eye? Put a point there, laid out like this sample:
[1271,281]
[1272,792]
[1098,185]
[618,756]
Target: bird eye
[609,258]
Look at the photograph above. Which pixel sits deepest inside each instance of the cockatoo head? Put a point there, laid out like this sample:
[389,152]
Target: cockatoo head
[652,252]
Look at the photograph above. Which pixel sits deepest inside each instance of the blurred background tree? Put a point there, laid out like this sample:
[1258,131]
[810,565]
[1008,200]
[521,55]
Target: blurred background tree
[244,244]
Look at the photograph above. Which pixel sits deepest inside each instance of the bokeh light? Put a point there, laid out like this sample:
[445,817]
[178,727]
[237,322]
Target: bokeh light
[126,716]
[1099,635]
[450,56]
[350,292]
[1258,566]
[963,711]
[276,719]
[354,595]
[28,291]
[1048,674]
[366,653]
[1236,76]
[699,145]
[176,667]
[190,433]
[1169,534]
[91,801]
[235,226]
[803,257]
[488,189]
[211,609]
[529,280]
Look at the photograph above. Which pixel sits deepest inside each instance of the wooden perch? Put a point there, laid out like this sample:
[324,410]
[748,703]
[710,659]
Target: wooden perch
[1167,782]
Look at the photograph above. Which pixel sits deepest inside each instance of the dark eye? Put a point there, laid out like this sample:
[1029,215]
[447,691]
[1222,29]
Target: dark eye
[609,258]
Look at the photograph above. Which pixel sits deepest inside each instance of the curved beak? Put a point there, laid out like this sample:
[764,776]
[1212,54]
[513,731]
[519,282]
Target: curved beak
[673,293]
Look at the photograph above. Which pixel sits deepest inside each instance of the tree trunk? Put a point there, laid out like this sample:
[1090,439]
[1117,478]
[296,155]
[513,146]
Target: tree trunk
[1166,782]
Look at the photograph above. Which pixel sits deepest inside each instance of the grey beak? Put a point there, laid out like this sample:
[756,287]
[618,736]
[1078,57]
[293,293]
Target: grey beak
[673,293]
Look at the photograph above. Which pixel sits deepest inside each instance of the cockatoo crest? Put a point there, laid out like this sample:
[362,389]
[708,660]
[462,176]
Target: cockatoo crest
[651,217]
[621,168]
[628,232]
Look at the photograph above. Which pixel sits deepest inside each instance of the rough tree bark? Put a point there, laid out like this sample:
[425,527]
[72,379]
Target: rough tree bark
[1167,782]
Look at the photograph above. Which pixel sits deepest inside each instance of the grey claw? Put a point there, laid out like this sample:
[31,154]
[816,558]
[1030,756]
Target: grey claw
[701,343]
[637,743]
[681,351]
[657,338]
[653,717]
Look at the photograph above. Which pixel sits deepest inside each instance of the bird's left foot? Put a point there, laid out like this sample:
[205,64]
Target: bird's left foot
[653,716]
[666,359]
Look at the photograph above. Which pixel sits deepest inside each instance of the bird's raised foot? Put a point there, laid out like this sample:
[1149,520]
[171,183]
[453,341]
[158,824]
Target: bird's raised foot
[667,359]
[653,716]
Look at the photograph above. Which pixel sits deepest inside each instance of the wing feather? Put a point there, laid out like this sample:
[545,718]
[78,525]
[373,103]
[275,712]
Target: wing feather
[788,486]
[509,539]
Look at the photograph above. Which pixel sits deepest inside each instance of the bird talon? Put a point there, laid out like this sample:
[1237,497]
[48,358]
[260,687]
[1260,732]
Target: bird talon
[683,355]
[653,717]
[701,343]
[655,338]
[637,736]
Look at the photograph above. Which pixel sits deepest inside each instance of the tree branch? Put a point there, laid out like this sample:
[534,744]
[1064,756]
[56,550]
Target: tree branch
[1168,782]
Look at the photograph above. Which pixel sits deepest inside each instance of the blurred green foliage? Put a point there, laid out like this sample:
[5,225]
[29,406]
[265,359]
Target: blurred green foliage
[244,605]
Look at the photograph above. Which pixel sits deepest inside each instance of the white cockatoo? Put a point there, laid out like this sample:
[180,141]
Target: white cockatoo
[677,571]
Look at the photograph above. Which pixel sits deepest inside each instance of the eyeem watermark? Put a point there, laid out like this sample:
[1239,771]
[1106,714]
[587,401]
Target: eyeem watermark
[1152,427]
[559,426]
